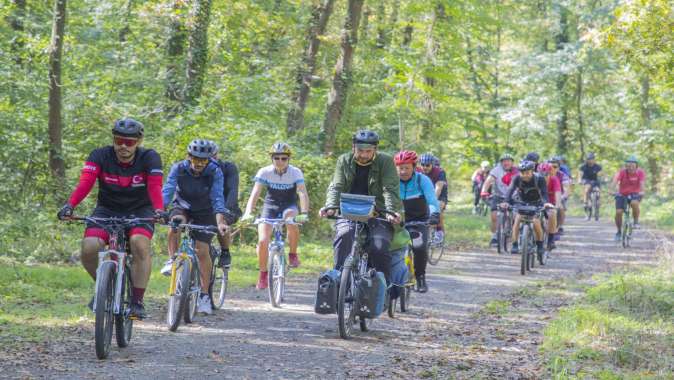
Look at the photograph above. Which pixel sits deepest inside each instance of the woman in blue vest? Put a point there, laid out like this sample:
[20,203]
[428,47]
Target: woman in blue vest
[194,191]
[418,195]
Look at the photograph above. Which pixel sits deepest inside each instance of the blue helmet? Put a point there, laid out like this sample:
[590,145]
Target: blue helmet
[426,159]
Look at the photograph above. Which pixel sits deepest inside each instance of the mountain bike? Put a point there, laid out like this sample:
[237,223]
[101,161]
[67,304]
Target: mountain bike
[594,198]
[526,241]
[112,297]
[217,289]
[436,245]
[504,225]
[185,283]
[628,225]
[411,283]
[277,263]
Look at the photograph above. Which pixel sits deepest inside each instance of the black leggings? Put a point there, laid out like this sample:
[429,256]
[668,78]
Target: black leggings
[476,193]
[419,247]
[379,238]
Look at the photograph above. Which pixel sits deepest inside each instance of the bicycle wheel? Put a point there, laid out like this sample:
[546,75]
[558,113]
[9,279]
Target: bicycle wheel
[104,306]
[178,300]
[364,324]
[124,325]
[194,289]
[624,233]
[524,250]
[595,206]
[391,306]
[437,249]
[346,302]
[276,277]
[218,287]
[405,294]
[499,232]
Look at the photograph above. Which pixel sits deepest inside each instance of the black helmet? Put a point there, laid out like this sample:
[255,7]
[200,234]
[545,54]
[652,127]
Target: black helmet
[214,146]
[532,156]
[200,148]
[590,156]
[128,127]
[280,148]
[506,156]
[556,160]
[526,165]
[365,136]
[426,159]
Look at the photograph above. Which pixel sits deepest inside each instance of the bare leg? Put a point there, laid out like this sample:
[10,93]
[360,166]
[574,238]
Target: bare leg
[293,231]
[142,262]
[90,248]
[635,211]
[264,234]
[538,229]
[516,229]
[552,221]
[205,264]
[619,218]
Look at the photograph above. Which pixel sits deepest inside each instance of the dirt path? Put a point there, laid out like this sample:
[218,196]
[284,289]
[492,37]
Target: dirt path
[448,333]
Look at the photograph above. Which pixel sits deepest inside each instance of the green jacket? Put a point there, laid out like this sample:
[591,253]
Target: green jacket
[383,182]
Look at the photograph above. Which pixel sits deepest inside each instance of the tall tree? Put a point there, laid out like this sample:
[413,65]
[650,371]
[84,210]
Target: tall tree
[305,71]
[197,55]
[16,21]
[561,41]
[174,50]
[56,162]
[342,76]
[651,155]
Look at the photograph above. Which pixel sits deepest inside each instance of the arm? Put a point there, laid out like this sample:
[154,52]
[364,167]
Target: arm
[488,183]
[154,179]
[543,187]
[391,187]
[642,180]
[616,182]
[254,195]
[304,198]
[429,195]
[511,189]
[217,192]
[170,187]
[87,180]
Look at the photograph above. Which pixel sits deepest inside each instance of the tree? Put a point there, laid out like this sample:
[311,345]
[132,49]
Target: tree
[305,70]
[175,48]
[16,20]
[342,76]
[197,55]
[56,162]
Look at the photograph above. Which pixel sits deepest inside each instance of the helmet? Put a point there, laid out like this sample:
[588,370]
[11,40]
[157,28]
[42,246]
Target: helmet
[532,156]
[632,159]
[280,148]
[590,156]
[215,147]
[436,161]
[544,168]
[365,136]
[200,148]
[426,159]
[555,160]
[405,157]
[526,165]
[506,156]
[484,164]
[128,127]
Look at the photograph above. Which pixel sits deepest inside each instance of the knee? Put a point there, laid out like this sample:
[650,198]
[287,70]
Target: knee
[140,245]
[91,246]
[263,240]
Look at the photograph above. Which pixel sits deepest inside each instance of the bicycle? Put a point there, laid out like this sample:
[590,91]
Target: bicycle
[112,297]
[627,225]
[411,283]
[594,197]
[526,239]
[504,225]
[185,283]
[219,280]
[436,245]
[355,269]
[277,264]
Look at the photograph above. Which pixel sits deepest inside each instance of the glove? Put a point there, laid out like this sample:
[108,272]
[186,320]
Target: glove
[160,215]
[247,218]
[484,194]
[434,218]
[65,212]
[301,218]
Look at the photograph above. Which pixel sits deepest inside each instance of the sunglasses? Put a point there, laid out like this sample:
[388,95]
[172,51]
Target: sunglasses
[555,166]
[199,160]
[280,158]
[426,165]
[125,141]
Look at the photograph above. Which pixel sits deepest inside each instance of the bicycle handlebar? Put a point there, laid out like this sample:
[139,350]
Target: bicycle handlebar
[275,221]
[336,215]
[106,223]
[196,227]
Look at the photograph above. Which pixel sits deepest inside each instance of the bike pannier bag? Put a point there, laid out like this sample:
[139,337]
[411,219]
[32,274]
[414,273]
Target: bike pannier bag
[399,272]
[371,294]
[326,294]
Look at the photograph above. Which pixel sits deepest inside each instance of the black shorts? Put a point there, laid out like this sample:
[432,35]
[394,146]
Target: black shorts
[591,182]
[276,212]
[621,201]
[494,202]
[145,229]
[200,218]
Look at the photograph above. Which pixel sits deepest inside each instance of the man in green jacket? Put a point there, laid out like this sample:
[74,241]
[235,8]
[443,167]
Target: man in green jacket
[366,171]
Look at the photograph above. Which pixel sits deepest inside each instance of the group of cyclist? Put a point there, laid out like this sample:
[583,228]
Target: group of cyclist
[202,189]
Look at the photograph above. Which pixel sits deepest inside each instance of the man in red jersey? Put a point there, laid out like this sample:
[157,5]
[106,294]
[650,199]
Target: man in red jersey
[629,181]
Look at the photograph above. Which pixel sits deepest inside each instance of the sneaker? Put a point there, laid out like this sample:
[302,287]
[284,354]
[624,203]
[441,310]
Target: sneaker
[294,260]
[439,236]
[515,249]
[551,245]
[262,281]
[636,226]
[166,269]
[493,242]
[225,259]
[90,305]
[560,231]
[204,305]
[617,237]
[137,311]
[421,284]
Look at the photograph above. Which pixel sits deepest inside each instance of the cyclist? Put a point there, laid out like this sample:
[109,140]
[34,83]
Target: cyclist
[129,185]
[366,171]
[563,167]
[284,182]
[629,182]
[500,177]
[232,211]
[588,176]
[439,179]
[565,180]
[533,191]
[421,205]
[554,198]
[193,190]
[533,157]
[478,178]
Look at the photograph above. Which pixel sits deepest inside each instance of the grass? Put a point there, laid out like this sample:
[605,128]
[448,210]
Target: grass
[622,328]
[496,307]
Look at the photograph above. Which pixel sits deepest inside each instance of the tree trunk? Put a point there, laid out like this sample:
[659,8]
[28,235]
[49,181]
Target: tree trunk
[126,29]
[429,80]
[579,113]
[342,76]
[407,34]
[305,71]
[651,159]
[15,19]
[197,55]
[175,49]
[56,162]
[561,39]
[381,25]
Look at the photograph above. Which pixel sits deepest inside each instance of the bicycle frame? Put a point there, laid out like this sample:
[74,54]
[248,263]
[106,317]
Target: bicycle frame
[116,254]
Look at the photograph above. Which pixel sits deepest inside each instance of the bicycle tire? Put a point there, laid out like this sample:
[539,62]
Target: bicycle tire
[623,231]
[524,250]
[391,306]
[436,252]
[178,301]
[276,277]
[346,316]
[104,306]
[123,324]
[404,299]
[193,294]
[219,281]
[499,232]
[595,205]
[364,324]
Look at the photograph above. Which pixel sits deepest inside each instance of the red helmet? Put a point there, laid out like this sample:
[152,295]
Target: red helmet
[405,157]
[544,168]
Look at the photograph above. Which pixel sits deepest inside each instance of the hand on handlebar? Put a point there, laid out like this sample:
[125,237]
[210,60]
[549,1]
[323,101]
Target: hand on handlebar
[66,212]
[549,205]
[223,228]
[484,195]
[327,212]
[393,218]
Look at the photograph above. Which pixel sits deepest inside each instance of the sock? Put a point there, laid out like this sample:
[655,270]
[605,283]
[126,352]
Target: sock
[137,295]
[539,244]
[224,251]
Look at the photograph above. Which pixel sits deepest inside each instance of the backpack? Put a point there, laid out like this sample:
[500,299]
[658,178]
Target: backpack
[326,294]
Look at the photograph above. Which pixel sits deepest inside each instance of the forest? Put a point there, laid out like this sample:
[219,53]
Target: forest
[466,80]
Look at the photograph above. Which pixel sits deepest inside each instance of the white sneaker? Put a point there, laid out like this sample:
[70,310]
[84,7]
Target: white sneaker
[439,236]
[204,305]
[166,269]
